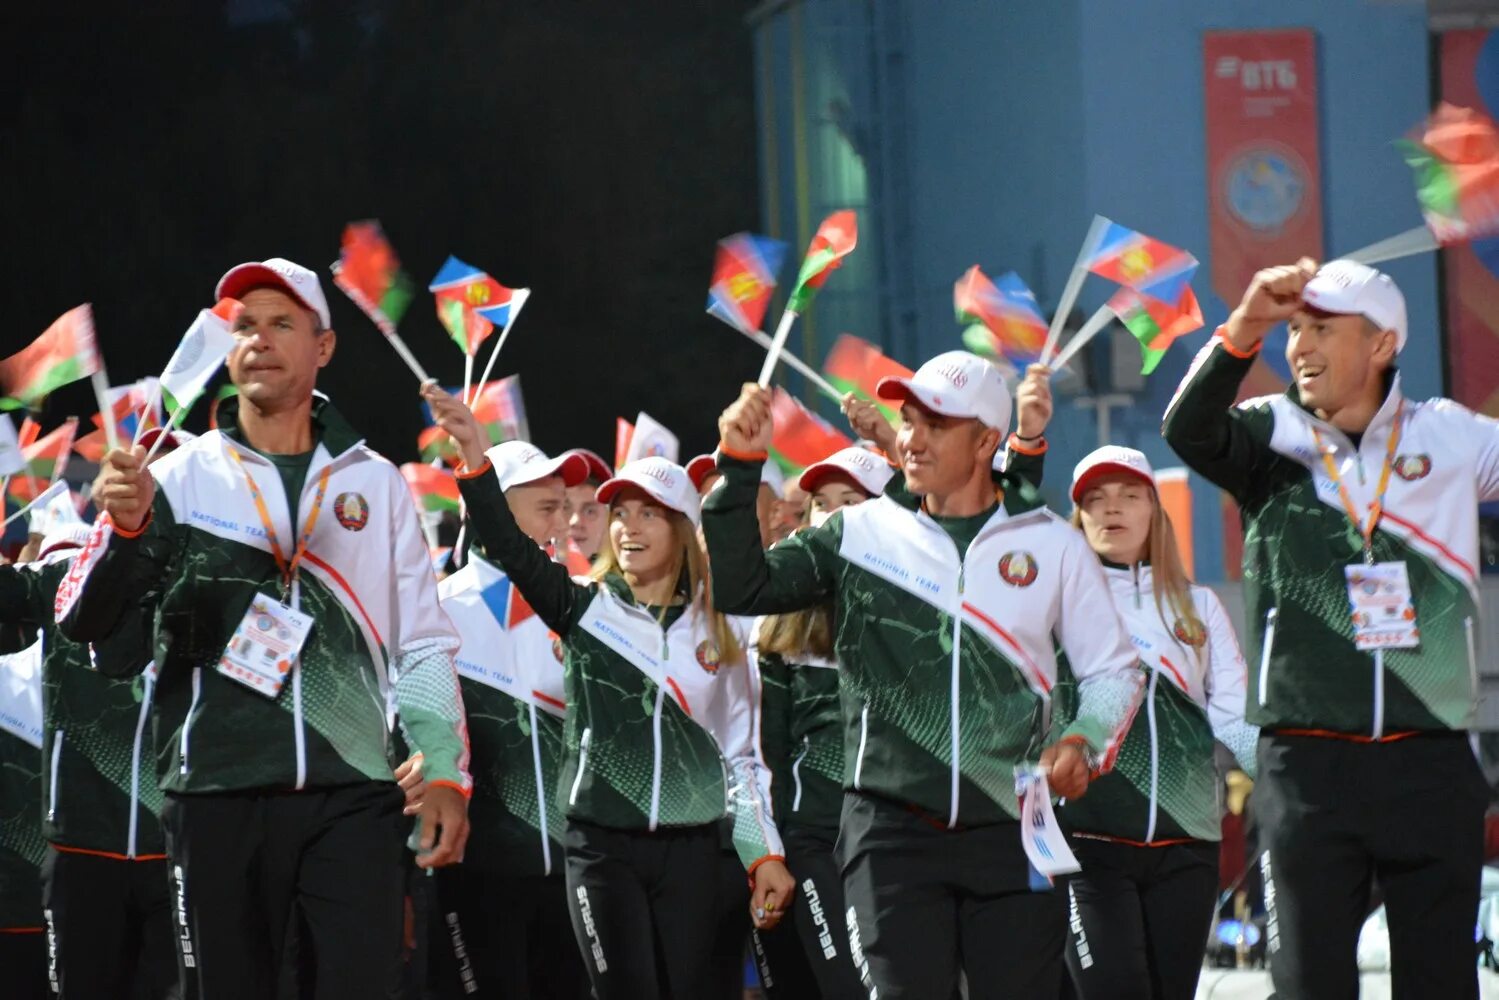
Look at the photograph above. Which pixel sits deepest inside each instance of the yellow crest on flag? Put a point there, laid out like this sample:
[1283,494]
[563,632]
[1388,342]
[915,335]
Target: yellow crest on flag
[1136,262]
[477,293]
[744,286]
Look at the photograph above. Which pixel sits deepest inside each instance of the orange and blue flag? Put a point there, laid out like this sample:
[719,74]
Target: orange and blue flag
[1006,321]
[461,291]
[744,276]
[1137,261]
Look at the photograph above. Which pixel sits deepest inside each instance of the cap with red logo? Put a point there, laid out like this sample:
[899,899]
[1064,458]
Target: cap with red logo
[1111,459]
[955,384]
[665,482]
[519,462]
[278,272]
[1345,287]
[869,471]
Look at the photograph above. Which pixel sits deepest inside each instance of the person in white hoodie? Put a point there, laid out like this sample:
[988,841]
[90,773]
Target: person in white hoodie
[1147,833]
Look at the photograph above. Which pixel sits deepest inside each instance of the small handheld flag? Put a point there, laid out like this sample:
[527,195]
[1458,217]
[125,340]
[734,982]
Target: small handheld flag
[462,291]
[1146,265]
[369,272]
[744,276]
[651,438]
[623,432]
[1155,324]
[65,352]
[801,438]
[857,367]
[431,489]
[835,239]
[1009,323]
[1455,159]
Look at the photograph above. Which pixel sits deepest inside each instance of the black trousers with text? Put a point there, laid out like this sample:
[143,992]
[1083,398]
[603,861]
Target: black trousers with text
[246,864]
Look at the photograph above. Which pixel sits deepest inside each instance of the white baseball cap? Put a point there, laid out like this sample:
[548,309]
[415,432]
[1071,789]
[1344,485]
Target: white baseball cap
[1348,288]
[1109,459]
[298,282]
[955,384]
[519,462]
[863,466]
[663,481]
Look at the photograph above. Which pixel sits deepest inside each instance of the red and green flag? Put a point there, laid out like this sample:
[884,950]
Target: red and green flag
[834,240]
[46,460]
[433,490]
[856,366]
[369,272]
[65,353]
[1154,323]
[435,445]
[501,410]
[1455,159]
[1005,321]
[801,437]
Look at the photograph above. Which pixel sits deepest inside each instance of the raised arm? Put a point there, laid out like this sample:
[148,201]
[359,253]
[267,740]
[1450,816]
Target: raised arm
[747,580]
[1229,446]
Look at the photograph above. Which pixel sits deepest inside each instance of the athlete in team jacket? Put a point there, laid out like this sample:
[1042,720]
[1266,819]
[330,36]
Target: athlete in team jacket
[277,762]
[105,891]
[948,602]
[659,728]
[1147,833]
[1360,548]
[513,697]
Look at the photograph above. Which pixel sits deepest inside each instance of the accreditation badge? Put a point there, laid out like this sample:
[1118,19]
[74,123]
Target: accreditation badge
[1379,596]
[265,644]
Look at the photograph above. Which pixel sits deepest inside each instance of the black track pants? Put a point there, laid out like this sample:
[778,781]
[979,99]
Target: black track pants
[109,924]
[807,955]
[23,956]
[1336,815]
[243,864]
[924,902]
[493,936]
[1139,918]
[644,909]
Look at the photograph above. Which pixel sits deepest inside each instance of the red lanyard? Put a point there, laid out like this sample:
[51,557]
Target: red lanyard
[1376,509]
[287,566]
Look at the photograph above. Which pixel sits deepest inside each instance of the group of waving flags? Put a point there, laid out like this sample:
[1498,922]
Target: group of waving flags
[1454,158]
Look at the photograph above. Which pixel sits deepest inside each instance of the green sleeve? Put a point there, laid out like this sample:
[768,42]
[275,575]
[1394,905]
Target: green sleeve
[1228,446]
[747,580]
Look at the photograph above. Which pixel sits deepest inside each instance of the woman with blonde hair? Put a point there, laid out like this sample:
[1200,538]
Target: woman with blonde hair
[1147,833]
[659,734]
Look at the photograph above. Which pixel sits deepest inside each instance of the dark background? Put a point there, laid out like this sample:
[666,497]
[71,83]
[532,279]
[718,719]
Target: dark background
[593,151]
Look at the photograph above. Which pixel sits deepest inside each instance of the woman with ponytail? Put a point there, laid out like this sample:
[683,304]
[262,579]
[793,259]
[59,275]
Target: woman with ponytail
[1147,833]
[659,736]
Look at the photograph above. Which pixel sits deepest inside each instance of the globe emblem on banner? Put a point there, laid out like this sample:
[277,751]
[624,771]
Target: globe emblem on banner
[187,354]
[1263,189]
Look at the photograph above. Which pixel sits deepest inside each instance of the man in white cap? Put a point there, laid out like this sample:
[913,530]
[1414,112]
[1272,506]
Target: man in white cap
[512,683]
[1360,581]
[294,607]
[950,598]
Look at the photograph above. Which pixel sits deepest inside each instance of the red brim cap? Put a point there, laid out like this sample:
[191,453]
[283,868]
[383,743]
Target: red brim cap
[149,437]
[572,467]
[1097,472]
[597,468]
[700,468]
[246,277]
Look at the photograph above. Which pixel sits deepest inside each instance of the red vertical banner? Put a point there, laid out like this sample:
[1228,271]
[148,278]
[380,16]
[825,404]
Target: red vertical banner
[1470,271]
[1264,165]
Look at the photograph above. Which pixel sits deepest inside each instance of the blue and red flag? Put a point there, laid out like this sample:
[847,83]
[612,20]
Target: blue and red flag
[1006,320]
[744,276]
[1137,261]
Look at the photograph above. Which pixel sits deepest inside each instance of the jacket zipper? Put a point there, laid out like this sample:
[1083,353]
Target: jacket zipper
[1378,729]
[957,648]
[1135,570]
[863,742]
[572,796]
[541,794]
[299,730]
[135,758]
[655,816]
[1265,655]
[796,773]
[1155,757]
[52,792]
[187,723]
[1472,658]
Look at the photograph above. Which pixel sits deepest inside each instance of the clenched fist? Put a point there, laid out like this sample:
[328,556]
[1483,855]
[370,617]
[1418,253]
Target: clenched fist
[745,428]
[124,489]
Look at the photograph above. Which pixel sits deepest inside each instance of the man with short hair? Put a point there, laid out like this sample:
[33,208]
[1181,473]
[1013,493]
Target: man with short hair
[1360,585]
[294,608]
[510,670]
[950,595]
